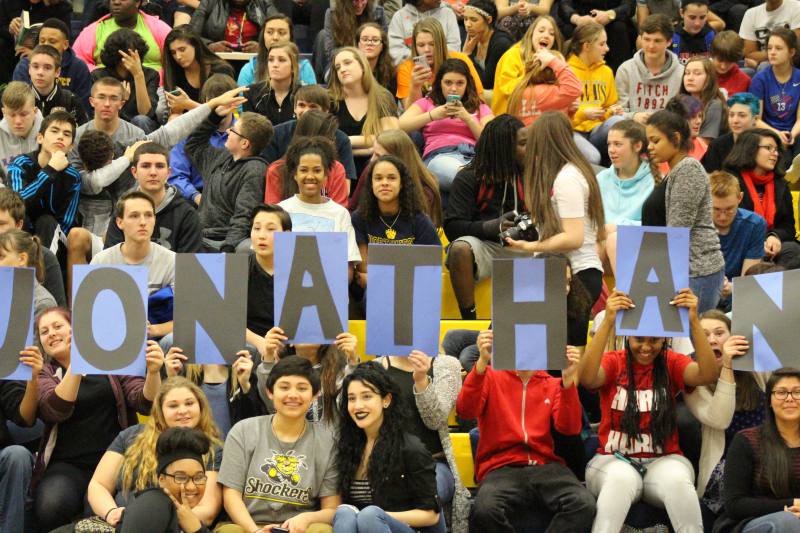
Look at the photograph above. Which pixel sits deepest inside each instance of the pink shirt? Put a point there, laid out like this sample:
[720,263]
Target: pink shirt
[447,131]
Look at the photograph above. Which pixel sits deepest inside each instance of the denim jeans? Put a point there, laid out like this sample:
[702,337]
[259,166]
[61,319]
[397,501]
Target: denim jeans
[445,482]
[707,289]
[373,519]
[461,343]
[16,467]
[780,522]
[445,163]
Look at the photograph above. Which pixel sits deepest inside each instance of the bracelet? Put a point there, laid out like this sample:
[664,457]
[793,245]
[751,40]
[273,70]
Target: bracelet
[105,518]
[430,116]
[728,367]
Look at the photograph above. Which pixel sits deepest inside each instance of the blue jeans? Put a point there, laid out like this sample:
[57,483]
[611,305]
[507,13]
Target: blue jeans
[16,467]
[445,163]
[373,519]
[445,482]
[780,522]
[461,343]
[588,150]
[707,289]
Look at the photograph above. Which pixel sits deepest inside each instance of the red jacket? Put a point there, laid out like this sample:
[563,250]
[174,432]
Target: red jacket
[514,417]
[734,81]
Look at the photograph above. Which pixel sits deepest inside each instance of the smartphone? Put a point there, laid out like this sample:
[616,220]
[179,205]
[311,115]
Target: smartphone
[453,98]
[421,61]
[175,92]
[279,530]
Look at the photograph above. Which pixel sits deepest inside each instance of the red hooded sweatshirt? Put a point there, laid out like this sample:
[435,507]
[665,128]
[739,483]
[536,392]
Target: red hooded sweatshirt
[514,417]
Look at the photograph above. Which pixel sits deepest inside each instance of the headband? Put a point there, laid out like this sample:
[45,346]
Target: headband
[166,459]
[479,11]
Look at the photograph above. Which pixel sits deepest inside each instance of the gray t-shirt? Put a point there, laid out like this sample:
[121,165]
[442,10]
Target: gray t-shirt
[279,480]
[160,262]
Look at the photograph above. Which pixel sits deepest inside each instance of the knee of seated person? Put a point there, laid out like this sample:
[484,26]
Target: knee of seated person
[460,253]
[15,457]
[79,239]
[369,514]
[488,510]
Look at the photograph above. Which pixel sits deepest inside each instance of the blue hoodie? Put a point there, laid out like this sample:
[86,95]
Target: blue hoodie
[74,76]
[248,73]
[623,199]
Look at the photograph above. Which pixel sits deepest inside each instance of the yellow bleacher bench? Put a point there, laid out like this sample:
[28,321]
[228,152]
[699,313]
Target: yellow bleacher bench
[463,453]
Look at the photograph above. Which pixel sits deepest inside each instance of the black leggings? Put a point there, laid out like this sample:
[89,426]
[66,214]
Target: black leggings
[61,494]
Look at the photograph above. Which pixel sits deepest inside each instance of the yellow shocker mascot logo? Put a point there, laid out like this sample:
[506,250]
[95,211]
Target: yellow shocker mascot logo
[284,467]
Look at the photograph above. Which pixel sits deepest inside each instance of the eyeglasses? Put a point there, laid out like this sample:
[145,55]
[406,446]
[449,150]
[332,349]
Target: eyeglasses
[182,479]
[782,394]
[769,148]
[370,40]
[725,210]
[231,130]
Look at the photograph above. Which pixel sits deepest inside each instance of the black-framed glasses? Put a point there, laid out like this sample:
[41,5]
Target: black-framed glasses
[231,130]
[371,40]
[182,479]
[769,148]
[782,394]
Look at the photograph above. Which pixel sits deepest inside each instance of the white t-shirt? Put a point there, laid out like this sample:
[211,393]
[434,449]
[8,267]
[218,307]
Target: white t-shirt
[327,216]
[571,200]
[758,22]
[160,263]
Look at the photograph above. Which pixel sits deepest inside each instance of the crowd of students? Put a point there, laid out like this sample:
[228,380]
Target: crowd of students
[132,140]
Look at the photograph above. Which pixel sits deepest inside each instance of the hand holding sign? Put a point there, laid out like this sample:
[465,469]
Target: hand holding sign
[274,341]
[569,376]
[154,357]
[617,301]
[32,357]
[347,344]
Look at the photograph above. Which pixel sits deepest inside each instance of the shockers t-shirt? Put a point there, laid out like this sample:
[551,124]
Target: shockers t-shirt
[279,480]
[614,396]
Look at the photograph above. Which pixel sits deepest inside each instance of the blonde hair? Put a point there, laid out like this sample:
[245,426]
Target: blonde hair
[535,74]
[294,58]
[526,45]
[17,95]
[140,457]
[434,28]
[380,102]
[724,184]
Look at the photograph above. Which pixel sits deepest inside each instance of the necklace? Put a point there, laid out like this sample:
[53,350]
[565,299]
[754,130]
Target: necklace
[292,445]
[390,232]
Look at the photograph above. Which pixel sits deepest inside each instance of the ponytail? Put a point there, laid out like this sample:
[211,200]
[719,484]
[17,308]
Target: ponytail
[22,242]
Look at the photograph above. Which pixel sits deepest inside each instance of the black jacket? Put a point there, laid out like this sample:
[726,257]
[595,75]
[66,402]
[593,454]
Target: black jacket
[210,17]
[61,97]
[783,224]
[471,203]
[177,226]
[717,151]
[499,43]
[410,485]
[231,189]
[11,393]
[39,12]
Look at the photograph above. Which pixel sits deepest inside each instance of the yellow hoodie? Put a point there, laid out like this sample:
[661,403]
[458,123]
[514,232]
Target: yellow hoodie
[510,70]
[598,89]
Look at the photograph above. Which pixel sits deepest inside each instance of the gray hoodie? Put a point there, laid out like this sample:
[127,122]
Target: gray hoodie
[640,91]
[11,146]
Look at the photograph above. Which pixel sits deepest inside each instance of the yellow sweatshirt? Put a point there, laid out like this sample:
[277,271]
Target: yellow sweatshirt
[509,72]
[598,89]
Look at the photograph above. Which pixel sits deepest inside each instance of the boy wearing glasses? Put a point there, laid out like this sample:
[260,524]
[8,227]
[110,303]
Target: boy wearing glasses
[233,176]
[741,232]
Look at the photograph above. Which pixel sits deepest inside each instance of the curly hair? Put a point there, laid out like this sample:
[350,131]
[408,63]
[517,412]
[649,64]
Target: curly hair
[409,199]
[299,147]
[121,40]
[386,456]
[140,457]
[95,149]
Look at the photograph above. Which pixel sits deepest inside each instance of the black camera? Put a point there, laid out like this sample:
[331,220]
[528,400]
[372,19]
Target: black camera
[523,229]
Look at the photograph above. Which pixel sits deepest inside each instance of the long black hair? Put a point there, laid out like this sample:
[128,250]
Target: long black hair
[409,199]
[662,410]
[743,154]
[386,456]
[776,455]
[495,158]
[207,59]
